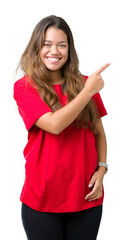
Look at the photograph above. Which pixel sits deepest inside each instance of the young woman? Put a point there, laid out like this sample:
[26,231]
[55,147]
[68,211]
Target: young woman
[65,155]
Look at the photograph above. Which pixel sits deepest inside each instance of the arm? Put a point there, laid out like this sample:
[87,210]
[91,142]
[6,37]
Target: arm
[62,118]
[97,178]
[101,145]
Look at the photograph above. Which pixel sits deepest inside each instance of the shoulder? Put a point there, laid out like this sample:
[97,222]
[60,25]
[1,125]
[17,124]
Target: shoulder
[26,83]
[20,82]
[24,87]
[19,87]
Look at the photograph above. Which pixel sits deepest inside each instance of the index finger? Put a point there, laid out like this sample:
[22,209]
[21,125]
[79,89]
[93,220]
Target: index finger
[102,68]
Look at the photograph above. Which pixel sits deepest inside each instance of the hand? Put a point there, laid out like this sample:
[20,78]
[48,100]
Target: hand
[96,182]
[95,82]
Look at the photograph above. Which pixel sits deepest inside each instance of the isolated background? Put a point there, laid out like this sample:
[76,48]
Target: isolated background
[97,27]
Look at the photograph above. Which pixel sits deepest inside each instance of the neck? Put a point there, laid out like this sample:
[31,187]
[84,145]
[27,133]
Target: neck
[56,77]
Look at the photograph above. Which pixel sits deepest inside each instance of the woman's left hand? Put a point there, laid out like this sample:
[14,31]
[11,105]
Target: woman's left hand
[96,182]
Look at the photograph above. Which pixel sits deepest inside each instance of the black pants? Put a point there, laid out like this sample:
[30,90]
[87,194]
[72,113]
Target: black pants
[82,225]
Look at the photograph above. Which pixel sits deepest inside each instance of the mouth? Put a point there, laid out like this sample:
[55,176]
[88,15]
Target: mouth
[53,59]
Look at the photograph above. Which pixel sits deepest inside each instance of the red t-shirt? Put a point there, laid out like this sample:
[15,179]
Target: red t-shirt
[59,167]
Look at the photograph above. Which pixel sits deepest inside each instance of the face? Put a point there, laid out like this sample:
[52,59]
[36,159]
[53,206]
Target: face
[54,52]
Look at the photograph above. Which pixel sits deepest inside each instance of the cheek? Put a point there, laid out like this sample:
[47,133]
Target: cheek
[65,54]
[43,52]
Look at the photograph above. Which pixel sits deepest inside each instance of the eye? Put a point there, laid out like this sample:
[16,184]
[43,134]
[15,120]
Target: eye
[46,44]
[62,45]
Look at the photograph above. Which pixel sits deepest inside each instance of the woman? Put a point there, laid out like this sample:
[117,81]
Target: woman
[65,154]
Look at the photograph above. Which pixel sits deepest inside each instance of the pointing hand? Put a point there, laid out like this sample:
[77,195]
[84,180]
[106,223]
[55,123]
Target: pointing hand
[95,82]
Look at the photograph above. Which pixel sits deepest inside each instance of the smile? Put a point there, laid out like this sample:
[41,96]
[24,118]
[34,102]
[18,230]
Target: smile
[53,60]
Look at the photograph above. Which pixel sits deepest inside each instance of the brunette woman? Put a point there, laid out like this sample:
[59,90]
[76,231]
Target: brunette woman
[62,195]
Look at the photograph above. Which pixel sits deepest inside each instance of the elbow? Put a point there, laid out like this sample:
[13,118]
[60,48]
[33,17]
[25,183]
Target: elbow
[56,125]
[56,133]
[48,124]
[56,129]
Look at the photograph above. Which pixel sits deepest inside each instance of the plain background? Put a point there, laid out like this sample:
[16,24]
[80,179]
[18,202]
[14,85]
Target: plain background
[97,27]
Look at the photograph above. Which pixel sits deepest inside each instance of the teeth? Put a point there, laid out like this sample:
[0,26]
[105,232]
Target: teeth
[53,59]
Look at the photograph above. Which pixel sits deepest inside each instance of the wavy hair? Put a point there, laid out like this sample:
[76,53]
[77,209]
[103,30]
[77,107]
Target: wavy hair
[32,65]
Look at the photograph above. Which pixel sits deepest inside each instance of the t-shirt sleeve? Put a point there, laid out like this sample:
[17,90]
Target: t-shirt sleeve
[99,103]
[30,104]
[100,106]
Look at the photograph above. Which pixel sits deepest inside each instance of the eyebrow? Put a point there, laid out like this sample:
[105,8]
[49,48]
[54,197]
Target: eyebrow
[59,42]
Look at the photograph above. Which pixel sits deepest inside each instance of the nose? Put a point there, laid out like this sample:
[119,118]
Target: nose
[54,49]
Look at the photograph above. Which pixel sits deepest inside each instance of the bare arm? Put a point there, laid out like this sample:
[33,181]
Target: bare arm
[101,145]
[60,119]
[97,178]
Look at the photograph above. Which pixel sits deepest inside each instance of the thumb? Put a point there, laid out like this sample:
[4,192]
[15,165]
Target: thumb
[92,181]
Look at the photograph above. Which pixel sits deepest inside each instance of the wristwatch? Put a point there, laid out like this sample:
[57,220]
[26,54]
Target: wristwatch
[103,165]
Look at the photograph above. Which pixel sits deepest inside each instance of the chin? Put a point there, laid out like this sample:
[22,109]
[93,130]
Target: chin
[53,68]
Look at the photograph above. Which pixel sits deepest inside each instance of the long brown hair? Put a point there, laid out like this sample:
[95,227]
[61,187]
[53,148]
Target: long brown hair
[74,81]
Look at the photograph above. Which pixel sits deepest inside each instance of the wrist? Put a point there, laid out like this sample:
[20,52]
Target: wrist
[102,167]
[101,170]
[88,91]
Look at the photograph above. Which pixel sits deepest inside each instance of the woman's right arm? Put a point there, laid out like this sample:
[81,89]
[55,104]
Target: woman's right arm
[57,121]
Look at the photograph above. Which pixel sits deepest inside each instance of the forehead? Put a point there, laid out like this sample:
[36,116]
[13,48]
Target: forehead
[55,35]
